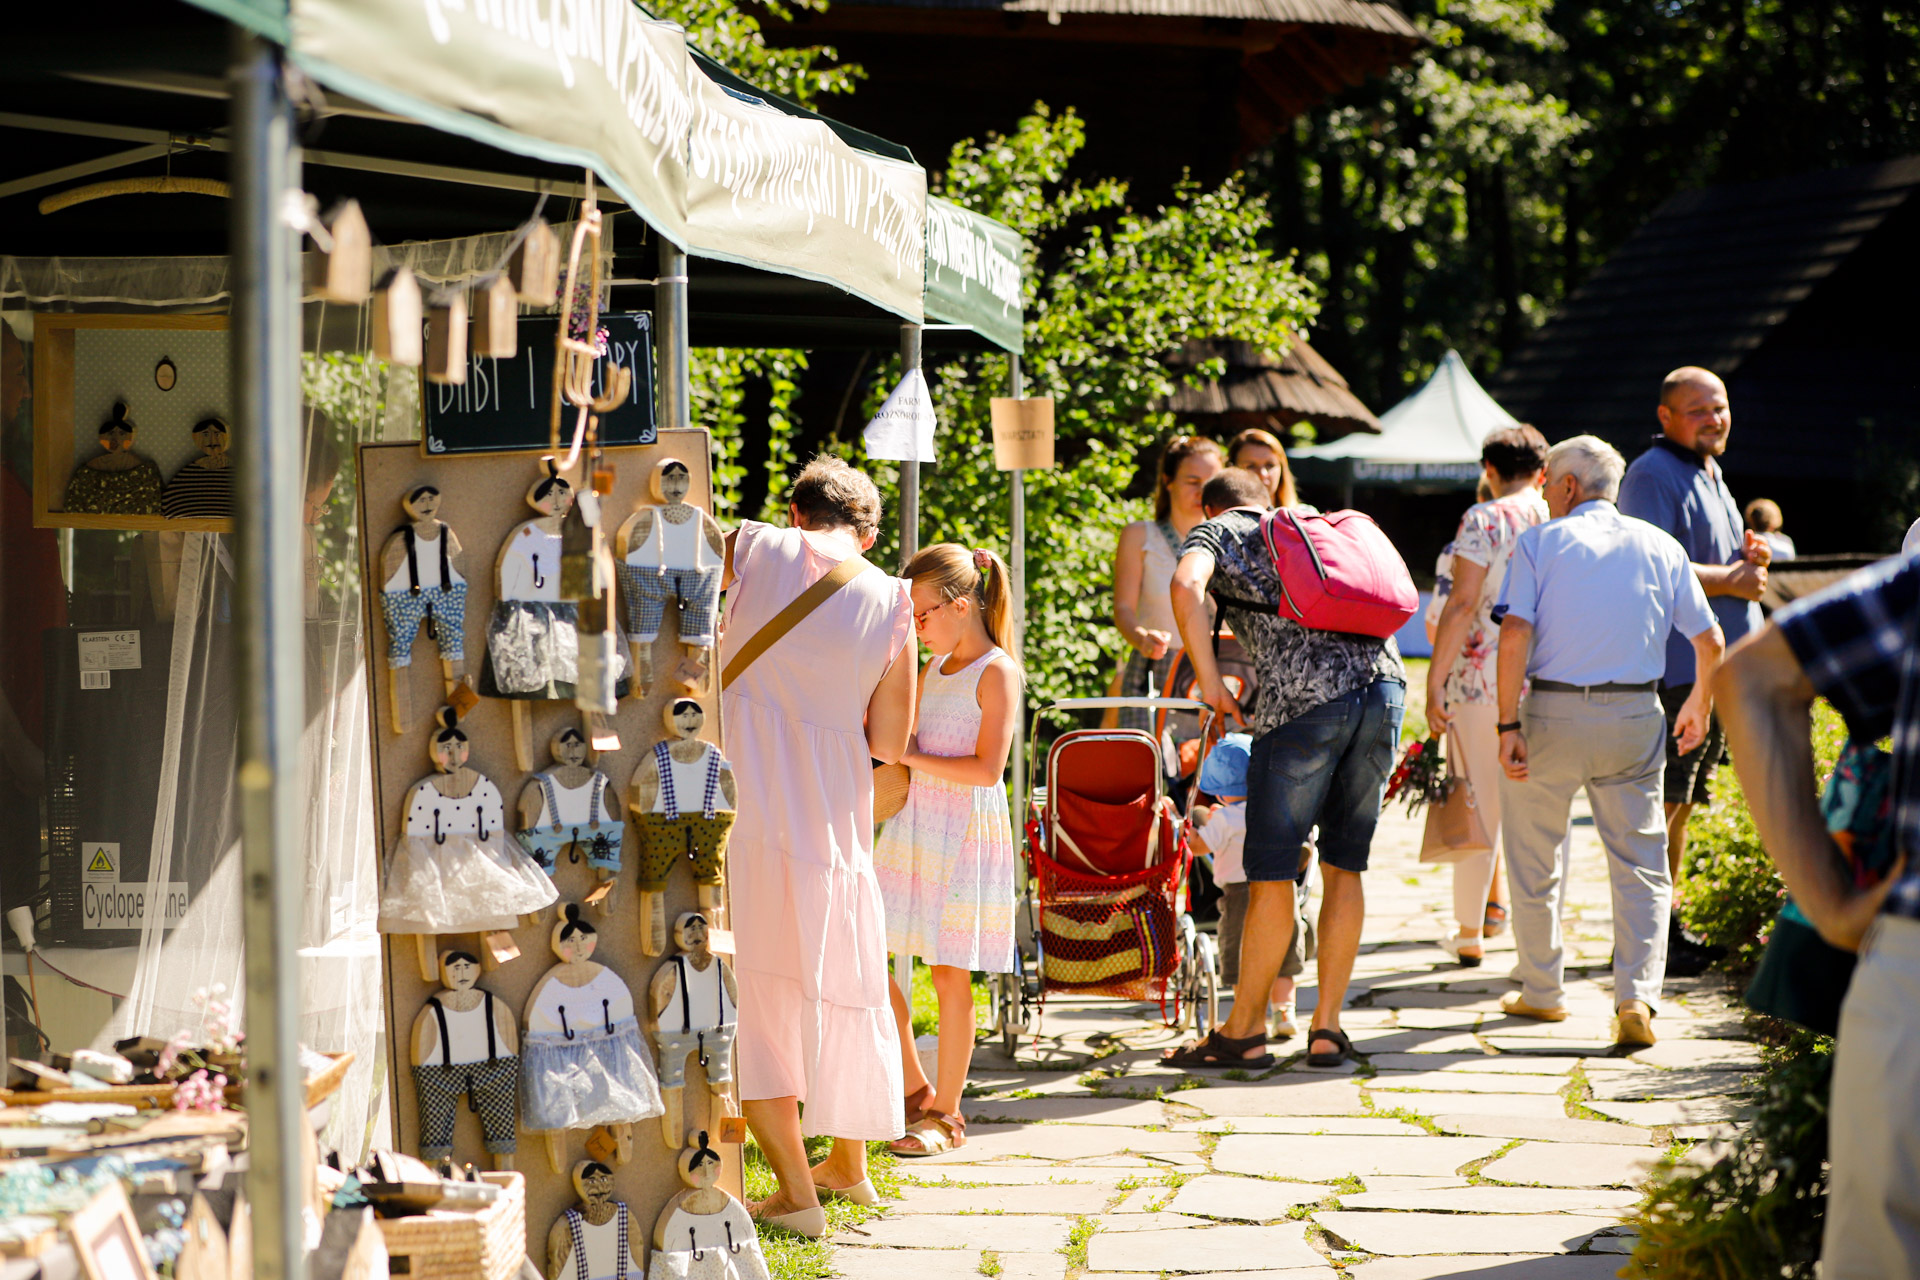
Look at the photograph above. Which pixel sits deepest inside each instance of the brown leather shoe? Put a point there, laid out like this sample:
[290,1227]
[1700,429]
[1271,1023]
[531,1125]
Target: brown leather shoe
[1513,1006]
[1633,1028]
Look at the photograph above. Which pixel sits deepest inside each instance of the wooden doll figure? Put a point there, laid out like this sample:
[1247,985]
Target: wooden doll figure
[670,552]
[204,487]
[119,482]
[466,1051]
[533,642]
[454,870]
[704,1233]
[676,796]
[583,1063]
[423,585]
[565,808]
[594,1241]
[695,1004]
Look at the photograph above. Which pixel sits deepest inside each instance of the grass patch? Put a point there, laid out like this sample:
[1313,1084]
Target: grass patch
[794,1257]
[989,1263]
[1076,1245]
[1471,1171]
[1236,1073]
[926,1005]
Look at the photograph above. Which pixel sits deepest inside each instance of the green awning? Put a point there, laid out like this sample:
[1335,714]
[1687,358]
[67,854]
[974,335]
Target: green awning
[973,273]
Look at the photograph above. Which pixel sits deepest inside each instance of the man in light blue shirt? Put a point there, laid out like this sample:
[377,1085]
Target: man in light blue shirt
[1590,598]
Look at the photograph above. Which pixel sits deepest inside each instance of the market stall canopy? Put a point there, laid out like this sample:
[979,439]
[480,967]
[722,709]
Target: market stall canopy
[1258,390]
[1430,440]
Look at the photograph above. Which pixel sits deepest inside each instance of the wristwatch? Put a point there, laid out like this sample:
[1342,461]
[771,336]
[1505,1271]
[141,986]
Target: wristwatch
[1511,726]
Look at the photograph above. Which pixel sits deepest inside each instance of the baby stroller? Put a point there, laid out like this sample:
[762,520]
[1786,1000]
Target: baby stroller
[1108,856]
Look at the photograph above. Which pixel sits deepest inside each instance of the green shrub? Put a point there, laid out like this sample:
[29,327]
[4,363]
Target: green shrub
[1729,892]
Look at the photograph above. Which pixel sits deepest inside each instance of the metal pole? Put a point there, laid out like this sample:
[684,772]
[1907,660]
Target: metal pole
[670,339]
[1017,567]
[270,633]
[909,471]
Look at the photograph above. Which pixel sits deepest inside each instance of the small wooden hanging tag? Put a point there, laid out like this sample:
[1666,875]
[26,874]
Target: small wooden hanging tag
[396,318]
[501,946]
[535,266]
[463,699]
[601,733]
[602,1146]
[732,1129]
[496,319]
[344,274]
[720,941]
[447,338]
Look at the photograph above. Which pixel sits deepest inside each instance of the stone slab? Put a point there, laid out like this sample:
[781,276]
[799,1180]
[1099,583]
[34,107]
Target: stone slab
[1572,1164]
[1325,1158]
[1656,1114]
[1357,1126]
[943,1264]
[1484,1199]
[1401,1234]
[1416,1042]
[1058,1142]
[1284,1095]
[1069,1199]
[1430,1061]
[1407,1182]
[1244,1199]
[1465,1082]
[1551,1129]
[1088,1110]
[1536,1106]
[1478,1002]
[1013,1174]
[1418,1019]
[1654,1084]
[1702,1055]
[1213,1249]
[1124,1222]
[1011,1233]
[1510,1267]
[1506,1043]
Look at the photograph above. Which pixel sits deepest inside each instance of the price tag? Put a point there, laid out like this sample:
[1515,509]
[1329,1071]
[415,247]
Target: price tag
[720,941]
[733,1129]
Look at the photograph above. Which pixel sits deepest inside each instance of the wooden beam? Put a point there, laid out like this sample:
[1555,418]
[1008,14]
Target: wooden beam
[1269,77]
[1078,28]
[1323,55]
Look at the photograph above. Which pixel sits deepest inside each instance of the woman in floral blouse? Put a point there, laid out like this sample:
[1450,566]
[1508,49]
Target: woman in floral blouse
[1466,644]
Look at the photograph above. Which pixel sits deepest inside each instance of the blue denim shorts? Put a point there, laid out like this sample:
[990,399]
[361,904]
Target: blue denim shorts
[1328,766]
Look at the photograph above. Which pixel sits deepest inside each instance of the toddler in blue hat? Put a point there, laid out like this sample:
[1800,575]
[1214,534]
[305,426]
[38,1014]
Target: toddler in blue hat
[1220,830]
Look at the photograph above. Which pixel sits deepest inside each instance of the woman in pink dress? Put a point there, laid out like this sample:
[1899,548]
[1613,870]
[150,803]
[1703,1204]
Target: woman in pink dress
[816,1026]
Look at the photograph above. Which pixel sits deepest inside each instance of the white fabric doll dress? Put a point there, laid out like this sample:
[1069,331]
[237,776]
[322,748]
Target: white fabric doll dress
[456,869]
[709,1246]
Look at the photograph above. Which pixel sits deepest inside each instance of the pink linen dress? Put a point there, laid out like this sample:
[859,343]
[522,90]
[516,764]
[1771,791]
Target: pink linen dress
[810,933]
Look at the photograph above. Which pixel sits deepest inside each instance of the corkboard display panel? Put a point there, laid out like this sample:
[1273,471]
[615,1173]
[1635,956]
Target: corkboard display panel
[83,363]
[482,500]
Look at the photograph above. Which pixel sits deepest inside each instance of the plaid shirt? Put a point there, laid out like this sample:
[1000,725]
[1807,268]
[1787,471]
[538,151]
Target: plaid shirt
[1859,643]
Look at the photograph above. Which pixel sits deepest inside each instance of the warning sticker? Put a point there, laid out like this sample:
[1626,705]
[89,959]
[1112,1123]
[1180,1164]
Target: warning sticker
[102,862]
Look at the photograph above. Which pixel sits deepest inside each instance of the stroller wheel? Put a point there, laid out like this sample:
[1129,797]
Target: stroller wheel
[1204,995]
[1009,1019]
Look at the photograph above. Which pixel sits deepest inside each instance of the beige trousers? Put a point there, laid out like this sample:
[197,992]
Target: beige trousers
[1873,1209]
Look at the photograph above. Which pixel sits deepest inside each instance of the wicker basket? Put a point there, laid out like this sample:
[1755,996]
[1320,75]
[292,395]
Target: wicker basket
[445,1244]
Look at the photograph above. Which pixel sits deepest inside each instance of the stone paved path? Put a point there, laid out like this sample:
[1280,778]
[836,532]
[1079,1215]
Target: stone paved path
[1467,1144]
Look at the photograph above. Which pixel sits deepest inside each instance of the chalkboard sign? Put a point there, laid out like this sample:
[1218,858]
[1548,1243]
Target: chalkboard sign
[507,405]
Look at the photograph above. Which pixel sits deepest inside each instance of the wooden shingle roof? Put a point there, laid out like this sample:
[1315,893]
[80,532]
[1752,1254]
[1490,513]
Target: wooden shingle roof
[1298,386]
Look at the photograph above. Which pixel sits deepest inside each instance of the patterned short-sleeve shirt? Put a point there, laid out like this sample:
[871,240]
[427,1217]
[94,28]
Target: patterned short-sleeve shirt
[1486,537]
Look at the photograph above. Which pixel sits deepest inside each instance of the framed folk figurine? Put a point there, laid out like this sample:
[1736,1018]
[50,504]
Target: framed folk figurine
[671,552]
[563,809]
[533,642]
[119,482]
[594,1241]
[695,1014]
[204,487]
[466,1053]
[704,1233]
[453,869]
[684,802]
[423,588]
[583,1063]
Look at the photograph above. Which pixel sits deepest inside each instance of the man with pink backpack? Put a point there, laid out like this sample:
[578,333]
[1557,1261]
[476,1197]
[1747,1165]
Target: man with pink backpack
[1315,601]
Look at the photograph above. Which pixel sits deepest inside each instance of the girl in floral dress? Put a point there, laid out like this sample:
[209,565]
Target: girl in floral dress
[946,862]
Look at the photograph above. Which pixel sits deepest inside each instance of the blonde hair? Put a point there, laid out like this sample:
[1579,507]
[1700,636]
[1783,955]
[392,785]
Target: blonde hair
[980,576]
[1286,495]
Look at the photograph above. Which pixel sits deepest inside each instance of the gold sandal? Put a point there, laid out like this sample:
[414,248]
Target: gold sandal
[935,1133]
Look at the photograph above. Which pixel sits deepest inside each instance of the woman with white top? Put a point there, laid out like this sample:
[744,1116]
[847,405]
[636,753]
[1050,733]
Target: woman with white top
[1144,563]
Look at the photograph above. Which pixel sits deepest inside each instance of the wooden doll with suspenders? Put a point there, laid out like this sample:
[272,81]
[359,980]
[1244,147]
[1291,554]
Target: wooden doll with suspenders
[684,801]
[594,1241]
[564,810]
[695,1014]
[671,552]
[423,587]
[466,1048]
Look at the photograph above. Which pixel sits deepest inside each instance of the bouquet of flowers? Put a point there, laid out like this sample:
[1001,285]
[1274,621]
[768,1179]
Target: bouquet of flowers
[1421,778]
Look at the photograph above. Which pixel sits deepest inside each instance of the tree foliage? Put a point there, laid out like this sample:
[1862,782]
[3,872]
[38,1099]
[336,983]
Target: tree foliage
[731,34]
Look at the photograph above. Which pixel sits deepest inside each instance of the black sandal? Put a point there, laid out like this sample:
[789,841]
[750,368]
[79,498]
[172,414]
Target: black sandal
[1335,1058]
[1219,1051]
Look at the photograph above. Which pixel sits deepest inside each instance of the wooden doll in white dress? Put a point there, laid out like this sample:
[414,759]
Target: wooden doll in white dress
[684,802]
[423,586]
[704,1233]
[695,1014]
[582,1063]
[466,1052]
[564,809]
[594,1241]
[454,869]
[673,551]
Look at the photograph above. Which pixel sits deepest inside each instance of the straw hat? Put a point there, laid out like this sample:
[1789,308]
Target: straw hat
[890,782]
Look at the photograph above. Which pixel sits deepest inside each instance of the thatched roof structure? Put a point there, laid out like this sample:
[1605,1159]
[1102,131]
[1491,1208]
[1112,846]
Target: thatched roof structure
[1258,390]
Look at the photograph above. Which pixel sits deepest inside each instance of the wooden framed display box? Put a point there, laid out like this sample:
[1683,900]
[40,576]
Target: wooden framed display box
[82,364]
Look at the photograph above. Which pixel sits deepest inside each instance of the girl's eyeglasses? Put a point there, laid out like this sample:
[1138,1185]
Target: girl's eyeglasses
[920,618]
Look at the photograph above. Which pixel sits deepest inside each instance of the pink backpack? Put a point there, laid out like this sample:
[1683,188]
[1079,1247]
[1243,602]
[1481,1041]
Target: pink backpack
[1337,572]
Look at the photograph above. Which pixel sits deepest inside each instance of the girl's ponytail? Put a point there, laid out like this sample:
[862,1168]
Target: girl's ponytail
[996,600]
[981,576]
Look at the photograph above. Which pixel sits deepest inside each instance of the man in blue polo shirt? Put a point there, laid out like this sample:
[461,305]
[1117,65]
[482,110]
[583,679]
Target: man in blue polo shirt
[1677,485]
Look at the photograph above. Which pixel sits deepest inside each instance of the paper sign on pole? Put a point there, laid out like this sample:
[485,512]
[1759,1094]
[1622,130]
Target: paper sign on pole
[903,429]
[1023,433]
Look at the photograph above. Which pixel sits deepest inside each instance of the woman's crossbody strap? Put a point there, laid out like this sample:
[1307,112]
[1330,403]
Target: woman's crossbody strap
[791,616]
